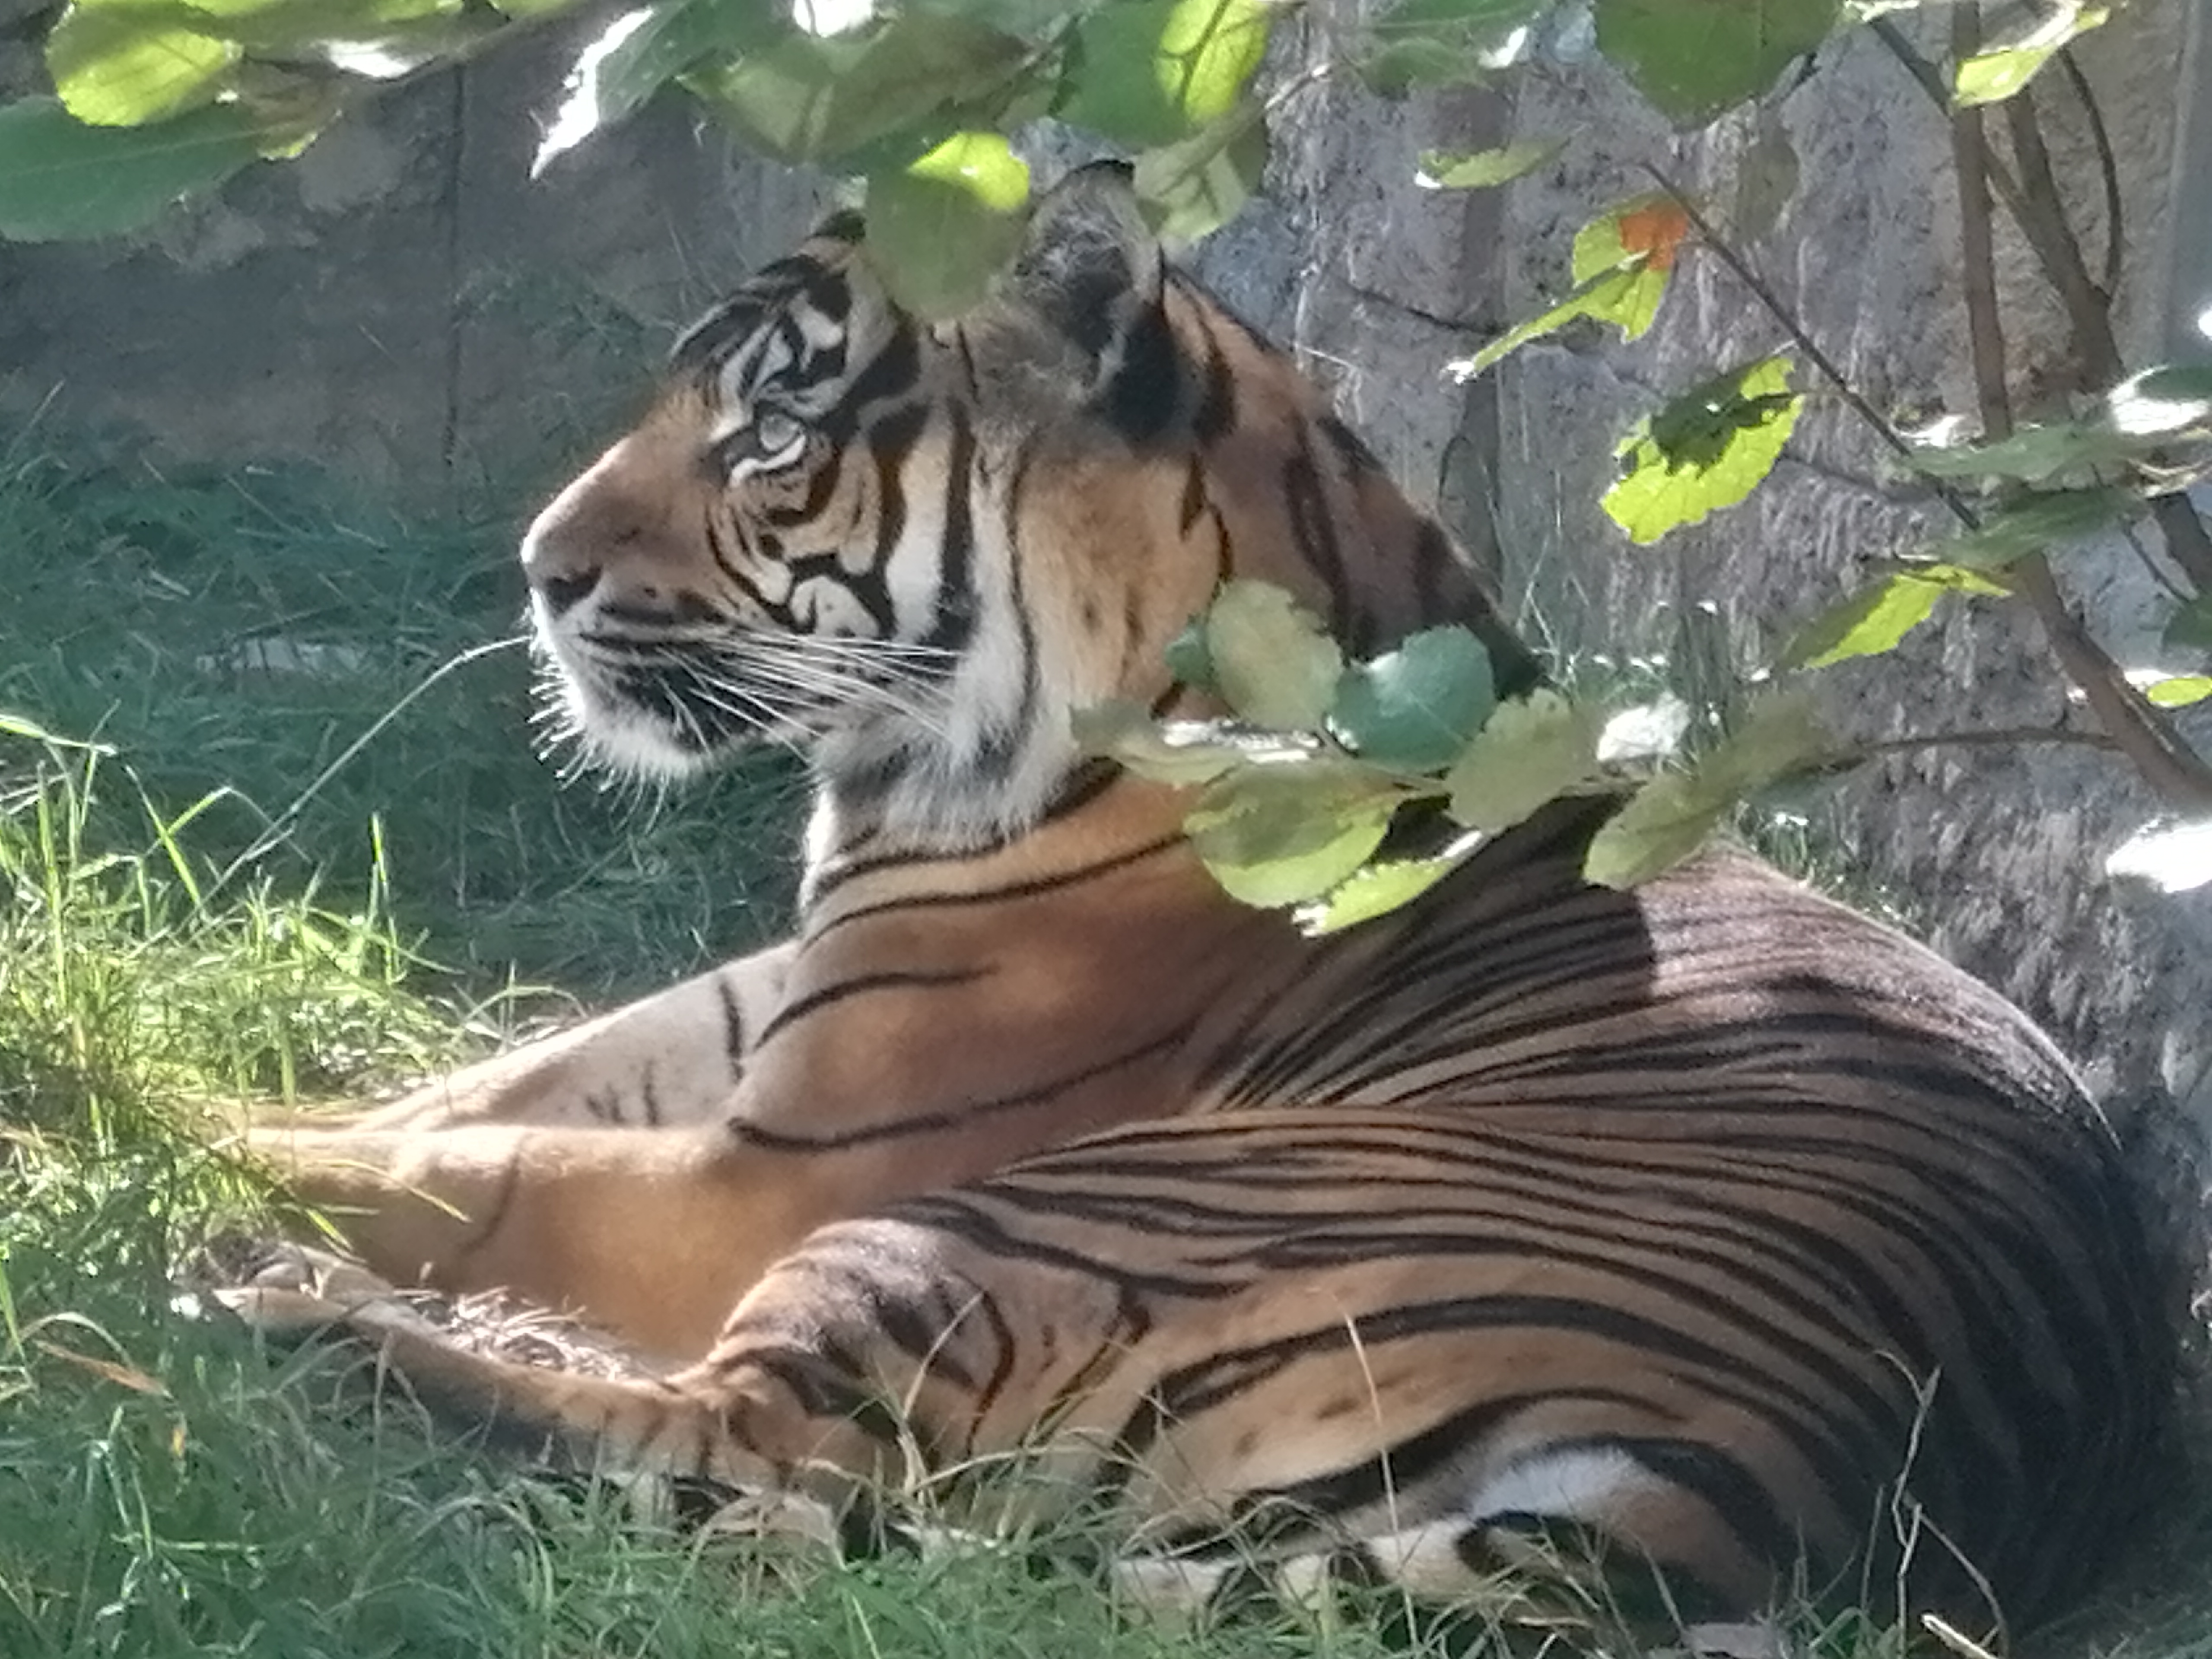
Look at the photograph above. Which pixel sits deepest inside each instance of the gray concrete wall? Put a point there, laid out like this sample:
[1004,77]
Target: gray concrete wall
[405,305]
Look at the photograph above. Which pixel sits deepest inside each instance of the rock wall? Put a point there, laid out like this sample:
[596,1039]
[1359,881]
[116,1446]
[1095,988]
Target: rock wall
[404,303]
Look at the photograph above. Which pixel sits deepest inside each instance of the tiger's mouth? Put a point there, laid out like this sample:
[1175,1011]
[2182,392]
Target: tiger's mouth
[675,705]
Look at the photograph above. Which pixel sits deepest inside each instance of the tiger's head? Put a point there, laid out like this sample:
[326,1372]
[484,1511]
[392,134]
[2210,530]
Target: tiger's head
[915,549]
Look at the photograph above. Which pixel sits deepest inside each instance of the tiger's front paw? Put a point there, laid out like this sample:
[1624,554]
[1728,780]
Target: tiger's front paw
[296,1293]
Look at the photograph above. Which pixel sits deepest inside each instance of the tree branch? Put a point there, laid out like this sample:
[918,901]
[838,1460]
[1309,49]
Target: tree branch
[1998,737]
[2034,201]
[2165,762]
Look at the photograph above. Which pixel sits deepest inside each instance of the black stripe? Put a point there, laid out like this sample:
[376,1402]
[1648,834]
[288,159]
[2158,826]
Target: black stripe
[829,996]
[964,1114]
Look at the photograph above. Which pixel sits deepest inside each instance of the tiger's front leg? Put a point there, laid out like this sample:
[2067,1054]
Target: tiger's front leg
[670,1059]
[651,1237]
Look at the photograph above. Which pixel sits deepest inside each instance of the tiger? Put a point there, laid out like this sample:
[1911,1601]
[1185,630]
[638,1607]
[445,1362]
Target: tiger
[1708,1220]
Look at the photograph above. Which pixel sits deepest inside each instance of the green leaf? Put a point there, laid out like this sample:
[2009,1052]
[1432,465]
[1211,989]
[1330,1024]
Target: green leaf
[1875,618]
[1621,262]
[1644,231]
[1669,818]
[1992,76]
[1432,43]
[1534,750]
[1178,752]
[125,63]
[1147,73]
[2139,421]
[1693,59]
[940,230]
[1865,624]
[807,99]
[1279,836]
[1664,822]
[60,179]
[1485,167]
[1189,660]
[2179,691]
[639,53]
[1706,450]
[1377,890]
[2031,525]
[1275,665]
[1416,707]
[1192,188]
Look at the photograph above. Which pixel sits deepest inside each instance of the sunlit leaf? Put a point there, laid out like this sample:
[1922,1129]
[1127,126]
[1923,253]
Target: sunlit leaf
[2140,420]
[1378,889]
[1279,836]
[827,101]
[1669,818]
[1189,189]
[123,64]
[1706,450]
[1877,618]
[2173,857]
[940,230]
[2180,690]
[1150,72]
[1432,43]
[1485,167]
[1693,59]
[1991,76]
[61,178]
[1275,663]
[1532,750]
[641,52]
[2031,525]
[1621,262]
[1416,707]
[1179,752]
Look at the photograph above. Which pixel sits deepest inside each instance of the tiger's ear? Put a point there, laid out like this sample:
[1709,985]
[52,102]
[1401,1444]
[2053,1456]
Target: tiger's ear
[1090,271]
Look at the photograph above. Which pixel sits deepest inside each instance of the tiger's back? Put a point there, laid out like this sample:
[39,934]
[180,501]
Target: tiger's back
[1711,1219]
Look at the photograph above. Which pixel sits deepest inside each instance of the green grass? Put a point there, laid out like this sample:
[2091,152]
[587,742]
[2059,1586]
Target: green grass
[205,906]
[235,635]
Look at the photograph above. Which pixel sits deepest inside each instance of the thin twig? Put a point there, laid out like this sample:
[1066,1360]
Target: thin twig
[2057,249]
[2108,166]
[1989,738]
[1931,80]
[2088,307]
[1970,160]
[2165,762]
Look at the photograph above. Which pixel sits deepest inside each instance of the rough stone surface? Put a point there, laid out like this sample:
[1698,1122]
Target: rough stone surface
[406,305]
[1998,853]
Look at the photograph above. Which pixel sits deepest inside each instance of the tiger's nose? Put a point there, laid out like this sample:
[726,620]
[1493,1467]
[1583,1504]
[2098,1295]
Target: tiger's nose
[562,593]
[594,519]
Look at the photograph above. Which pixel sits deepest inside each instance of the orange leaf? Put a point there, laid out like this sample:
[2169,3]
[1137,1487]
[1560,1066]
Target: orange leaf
[1654,230]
